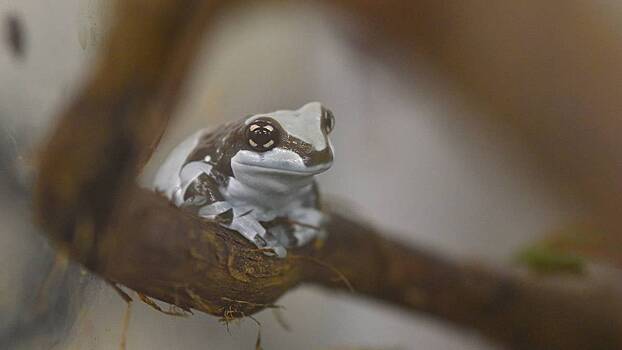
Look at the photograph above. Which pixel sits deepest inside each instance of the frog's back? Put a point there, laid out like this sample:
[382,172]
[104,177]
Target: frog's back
[167,180]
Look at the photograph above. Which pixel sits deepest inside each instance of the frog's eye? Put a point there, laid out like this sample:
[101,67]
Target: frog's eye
[328,120]
[262,136]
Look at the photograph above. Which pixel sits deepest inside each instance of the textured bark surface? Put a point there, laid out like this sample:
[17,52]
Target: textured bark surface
[88,203]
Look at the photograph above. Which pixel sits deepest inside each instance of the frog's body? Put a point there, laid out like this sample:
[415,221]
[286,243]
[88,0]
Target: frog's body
[256,176]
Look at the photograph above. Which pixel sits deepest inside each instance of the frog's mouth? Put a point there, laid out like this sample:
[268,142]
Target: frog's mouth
[276,171]
[265,169]
[275,162]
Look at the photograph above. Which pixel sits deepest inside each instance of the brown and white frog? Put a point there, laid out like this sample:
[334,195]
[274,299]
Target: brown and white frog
[256,176]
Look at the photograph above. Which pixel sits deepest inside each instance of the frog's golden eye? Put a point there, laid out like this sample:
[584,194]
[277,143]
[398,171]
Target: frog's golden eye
[328,120]
[262,136]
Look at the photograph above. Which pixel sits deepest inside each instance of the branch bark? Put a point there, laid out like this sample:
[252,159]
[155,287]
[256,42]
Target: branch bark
[87,202]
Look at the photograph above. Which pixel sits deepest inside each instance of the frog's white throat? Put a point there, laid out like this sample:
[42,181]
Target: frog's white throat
[277,172]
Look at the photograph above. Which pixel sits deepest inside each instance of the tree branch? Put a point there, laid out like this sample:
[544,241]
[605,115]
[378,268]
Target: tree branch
[87,201]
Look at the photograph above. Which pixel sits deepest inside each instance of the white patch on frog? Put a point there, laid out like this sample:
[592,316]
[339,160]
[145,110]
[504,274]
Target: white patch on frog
[264,205]
[167,179]
[187,175]
[212,210]
[304,124]
[277,171]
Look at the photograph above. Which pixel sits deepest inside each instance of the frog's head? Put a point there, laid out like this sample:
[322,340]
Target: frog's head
[285,149]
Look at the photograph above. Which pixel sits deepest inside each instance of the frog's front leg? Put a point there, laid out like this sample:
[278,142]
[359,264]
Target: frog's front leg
[202,194]
[249,227]
[244,222]
[308,224]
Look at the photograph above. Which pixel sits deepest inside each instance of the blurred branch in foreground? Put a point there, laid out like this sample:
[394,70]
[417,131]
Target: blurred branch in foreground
[88,202]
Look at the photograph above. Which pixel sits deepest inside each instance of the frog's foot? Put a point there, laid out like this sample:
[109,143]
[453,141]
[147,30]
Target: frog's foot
[244,222]
[252,230]
[307,225]
[305,235]
[272,247]
[291,233]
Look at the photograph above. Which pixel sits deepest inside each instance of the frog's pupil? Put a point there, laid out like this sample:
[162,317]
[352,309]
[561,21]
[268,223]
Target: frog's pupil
[261,136]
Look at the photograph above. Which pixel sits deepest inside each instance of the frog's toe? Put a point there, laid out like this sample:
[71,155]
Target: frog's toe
[283,235]
[215,209]
[305,235]
[225,218]
[260,242]
[309,217]
[279,251]
[248,227]
[272,247]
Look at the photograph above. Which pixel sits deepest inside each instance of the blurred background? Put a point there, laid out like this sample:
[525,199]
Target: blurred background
[410,158]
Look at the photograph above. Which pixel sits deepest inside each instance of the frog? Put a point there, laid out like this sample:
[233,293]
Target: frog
[256,176]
